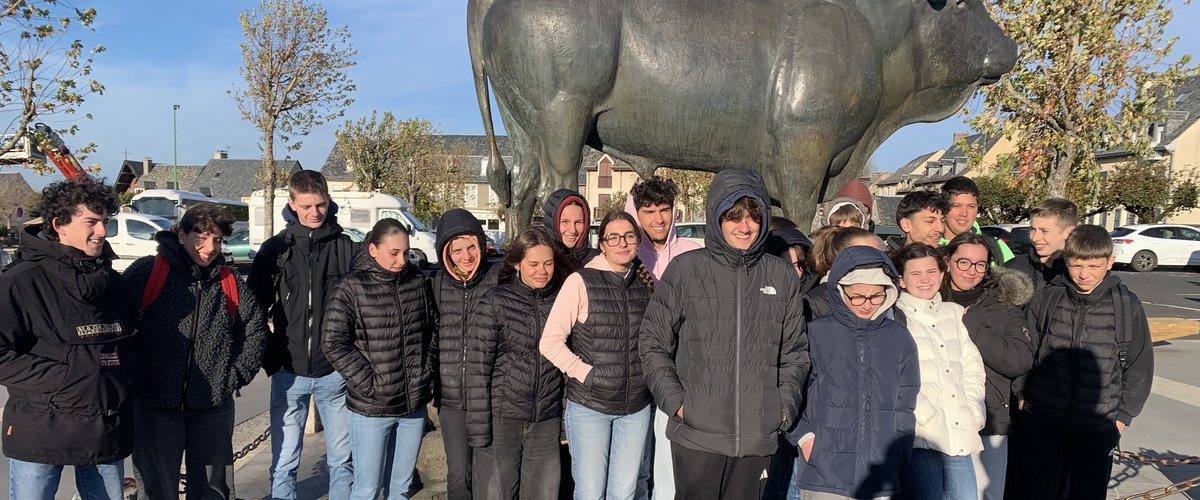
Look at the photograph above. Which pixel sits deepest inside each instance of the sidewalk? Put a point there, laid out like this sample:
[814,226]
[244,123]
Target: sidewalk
[252,476]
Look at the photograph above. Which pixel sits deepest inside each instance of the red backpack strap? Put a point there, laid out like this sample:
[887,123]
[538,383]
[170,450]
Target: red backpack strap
[158,277]
[229,286]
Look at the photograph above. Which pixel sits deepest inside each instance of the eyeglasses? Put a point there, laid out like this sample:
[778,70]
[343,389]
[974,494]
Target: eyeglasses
[858,300]
[615,239]
[966,264]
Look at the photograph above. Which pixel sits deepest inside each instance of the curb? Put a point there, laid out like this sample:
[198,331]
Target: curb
[1172,328]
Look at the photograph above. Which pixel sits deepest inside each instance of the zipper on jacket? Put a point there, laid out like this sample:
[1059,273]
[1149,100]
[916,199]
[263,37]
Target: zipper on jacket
[625,368]
[864,382]
[737,370]
[462,339]
[537,357]
[308,307]
[403,336]
[187,370]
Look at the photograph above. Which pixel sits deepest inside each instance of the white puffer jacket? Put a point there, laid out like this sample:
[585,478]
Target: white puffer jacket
[950,407]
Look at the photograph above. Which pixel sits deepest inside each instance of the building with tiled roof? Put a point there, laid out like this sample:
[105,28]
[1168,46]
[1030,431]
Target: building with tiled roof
[221,177]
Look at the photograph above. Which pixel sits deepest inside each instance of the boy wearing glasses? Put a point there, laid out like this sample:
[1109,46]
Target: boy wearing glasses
[1091,375]
[858,425]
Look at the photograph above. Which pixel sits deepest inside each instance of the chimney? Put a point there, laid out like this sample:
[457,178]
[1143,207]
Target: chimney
[146,164]
[958,136]
[221,154]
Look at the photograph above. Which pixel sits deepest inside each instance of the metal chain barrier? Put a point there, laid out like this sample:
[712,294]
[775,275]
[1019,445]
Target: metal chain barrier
[1174,489]
[237,455]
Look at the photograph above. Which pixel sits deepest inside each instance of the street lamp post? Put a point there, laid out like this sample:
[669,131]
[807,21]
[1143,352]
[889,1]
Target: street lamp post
[175,145]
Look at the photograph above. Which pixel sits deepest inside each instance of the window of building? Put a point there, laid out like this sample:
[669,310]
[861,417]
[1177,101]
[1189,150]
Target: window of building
[597,213]
[149,185]
[606,165]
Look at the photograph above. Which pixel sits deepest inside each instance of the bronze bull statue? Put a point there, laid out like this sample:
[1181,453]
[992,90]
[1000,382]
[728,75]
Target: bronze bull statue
[803,91]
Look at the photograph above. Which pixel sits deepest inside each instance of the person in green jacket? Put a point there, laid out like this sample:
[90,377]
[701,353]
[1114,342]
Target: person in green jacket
[962,195]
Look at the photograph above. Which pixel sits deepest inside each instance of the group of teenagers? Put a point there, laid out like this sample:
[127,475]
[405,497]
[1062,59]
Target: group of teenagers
[767,364]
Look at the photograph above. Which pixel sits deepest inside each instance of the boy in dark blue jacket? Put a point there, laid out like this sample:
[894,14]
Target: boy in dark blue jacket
[857,427]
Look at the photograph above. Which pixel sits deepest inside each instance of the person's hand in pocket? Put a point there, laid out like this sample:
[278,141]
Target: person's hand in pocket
[806,448]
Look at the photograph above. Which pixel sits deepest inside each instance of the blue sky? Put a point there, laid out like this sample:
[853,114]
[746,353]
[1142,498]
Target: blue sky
[412,60]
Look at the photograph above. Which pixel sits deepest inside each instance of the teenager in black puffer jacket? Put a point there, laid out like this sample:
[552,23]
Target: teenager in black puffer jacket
[459,287]
[994,298]
[378,333]
[514,394]
[195,354]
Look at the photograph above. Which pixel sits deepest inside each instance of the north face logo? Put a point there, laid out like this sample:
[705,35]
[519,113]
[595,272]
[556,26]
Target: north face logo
[767,290]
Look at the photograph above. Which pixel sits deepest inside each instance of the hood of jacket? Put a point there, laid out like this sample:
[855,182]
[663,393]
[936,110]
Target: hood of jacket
[727,187]
[780,240]
[859,264]
[170,247]
[458,222]
[78,271]
[1015,288]
[553,207]
[329,229]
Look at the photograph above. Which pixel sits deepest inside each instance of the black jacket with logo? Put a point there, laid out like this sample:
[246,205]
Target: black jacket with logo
[194,353]
[292,276]
[724,337]
[67,356]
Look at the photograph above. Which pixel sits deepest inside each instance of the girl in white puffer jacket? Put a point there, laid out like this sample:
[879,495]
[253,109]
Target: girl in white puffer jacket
[950,406]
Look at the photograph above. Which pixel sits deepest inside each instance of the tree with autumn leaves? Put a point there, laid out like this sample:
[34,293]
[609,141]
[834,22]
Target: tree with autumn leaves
[1093,76]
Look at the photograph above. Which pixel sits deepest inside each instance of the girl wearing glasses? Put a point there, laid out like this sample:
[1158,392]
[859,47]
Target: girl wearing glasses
[608,413]
[950,407]
[857,424]
[994,298]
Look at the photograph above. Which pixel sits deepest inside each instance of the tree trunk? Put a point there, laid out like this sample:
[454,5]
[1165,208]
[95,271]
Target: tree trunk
[1060,172]
[269,182]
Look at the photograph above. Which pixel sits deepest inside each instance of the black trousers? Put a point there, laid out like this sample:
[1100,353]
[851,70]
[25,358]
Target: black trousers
[458,453]
[1051,457]
[521,464]
[700,475]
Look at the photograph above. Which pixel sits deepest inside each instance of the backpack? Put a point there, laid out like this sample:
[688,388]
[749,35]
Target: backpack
[158,277]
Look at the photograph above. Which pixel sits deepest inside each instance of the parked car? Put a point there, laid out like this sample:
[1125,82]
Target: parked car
[131,235]
[1016,236]
[1144,247]
[691,231]
[237,248]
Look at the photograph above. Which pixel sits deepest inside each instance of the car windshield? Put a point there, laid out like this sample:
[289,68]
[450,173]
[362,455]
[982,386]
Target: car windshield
[239,237]
[1020,233]
[354,234]
[160,207]
[1120,231]
[416,223]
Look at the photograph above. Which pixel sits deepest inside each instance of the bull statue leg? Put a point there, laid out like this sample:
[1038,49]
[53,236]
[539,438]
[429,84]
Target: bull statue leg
[525,176]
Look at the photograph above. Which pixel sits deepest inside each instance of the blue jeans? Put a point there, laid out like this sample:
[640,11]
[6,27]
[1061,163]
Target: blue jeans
[606,451]
[933,474]
[31,481]
[289,410]
[377,442]
[656,462]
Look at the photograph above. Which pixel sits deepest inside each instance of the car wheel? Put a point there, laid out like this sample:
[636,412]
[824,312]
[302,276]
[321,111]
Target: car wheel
[1144,261]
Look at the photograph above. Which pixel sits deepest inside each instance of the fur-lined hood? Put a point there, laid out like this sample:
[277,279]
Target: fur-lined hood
[1014,287]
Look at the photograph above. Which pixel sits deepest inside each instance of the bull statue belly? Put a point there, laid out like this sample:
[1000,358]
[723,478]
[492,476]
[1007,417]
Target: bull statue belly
[803,91]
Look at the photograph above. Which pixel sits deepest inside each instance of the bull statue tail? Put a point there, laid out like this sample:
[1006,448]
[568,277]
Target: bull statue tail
[497,172]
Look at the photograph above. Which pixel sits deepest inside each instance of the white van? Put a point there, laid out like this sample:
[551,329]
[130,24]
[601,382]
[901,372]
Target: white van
[170,204]
[356,209]
[131,236]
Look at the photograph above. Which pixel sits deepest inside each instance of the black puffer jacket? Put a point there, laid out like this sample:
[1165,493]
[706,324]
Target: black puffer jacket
[816,302]
[581,253]
[506,374]
[1033,267]
[608,341]
[1085,374]
[724,338]
[457,300]
[194,354]
[378,333]
[996,323]
[67,356]
[292,276]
